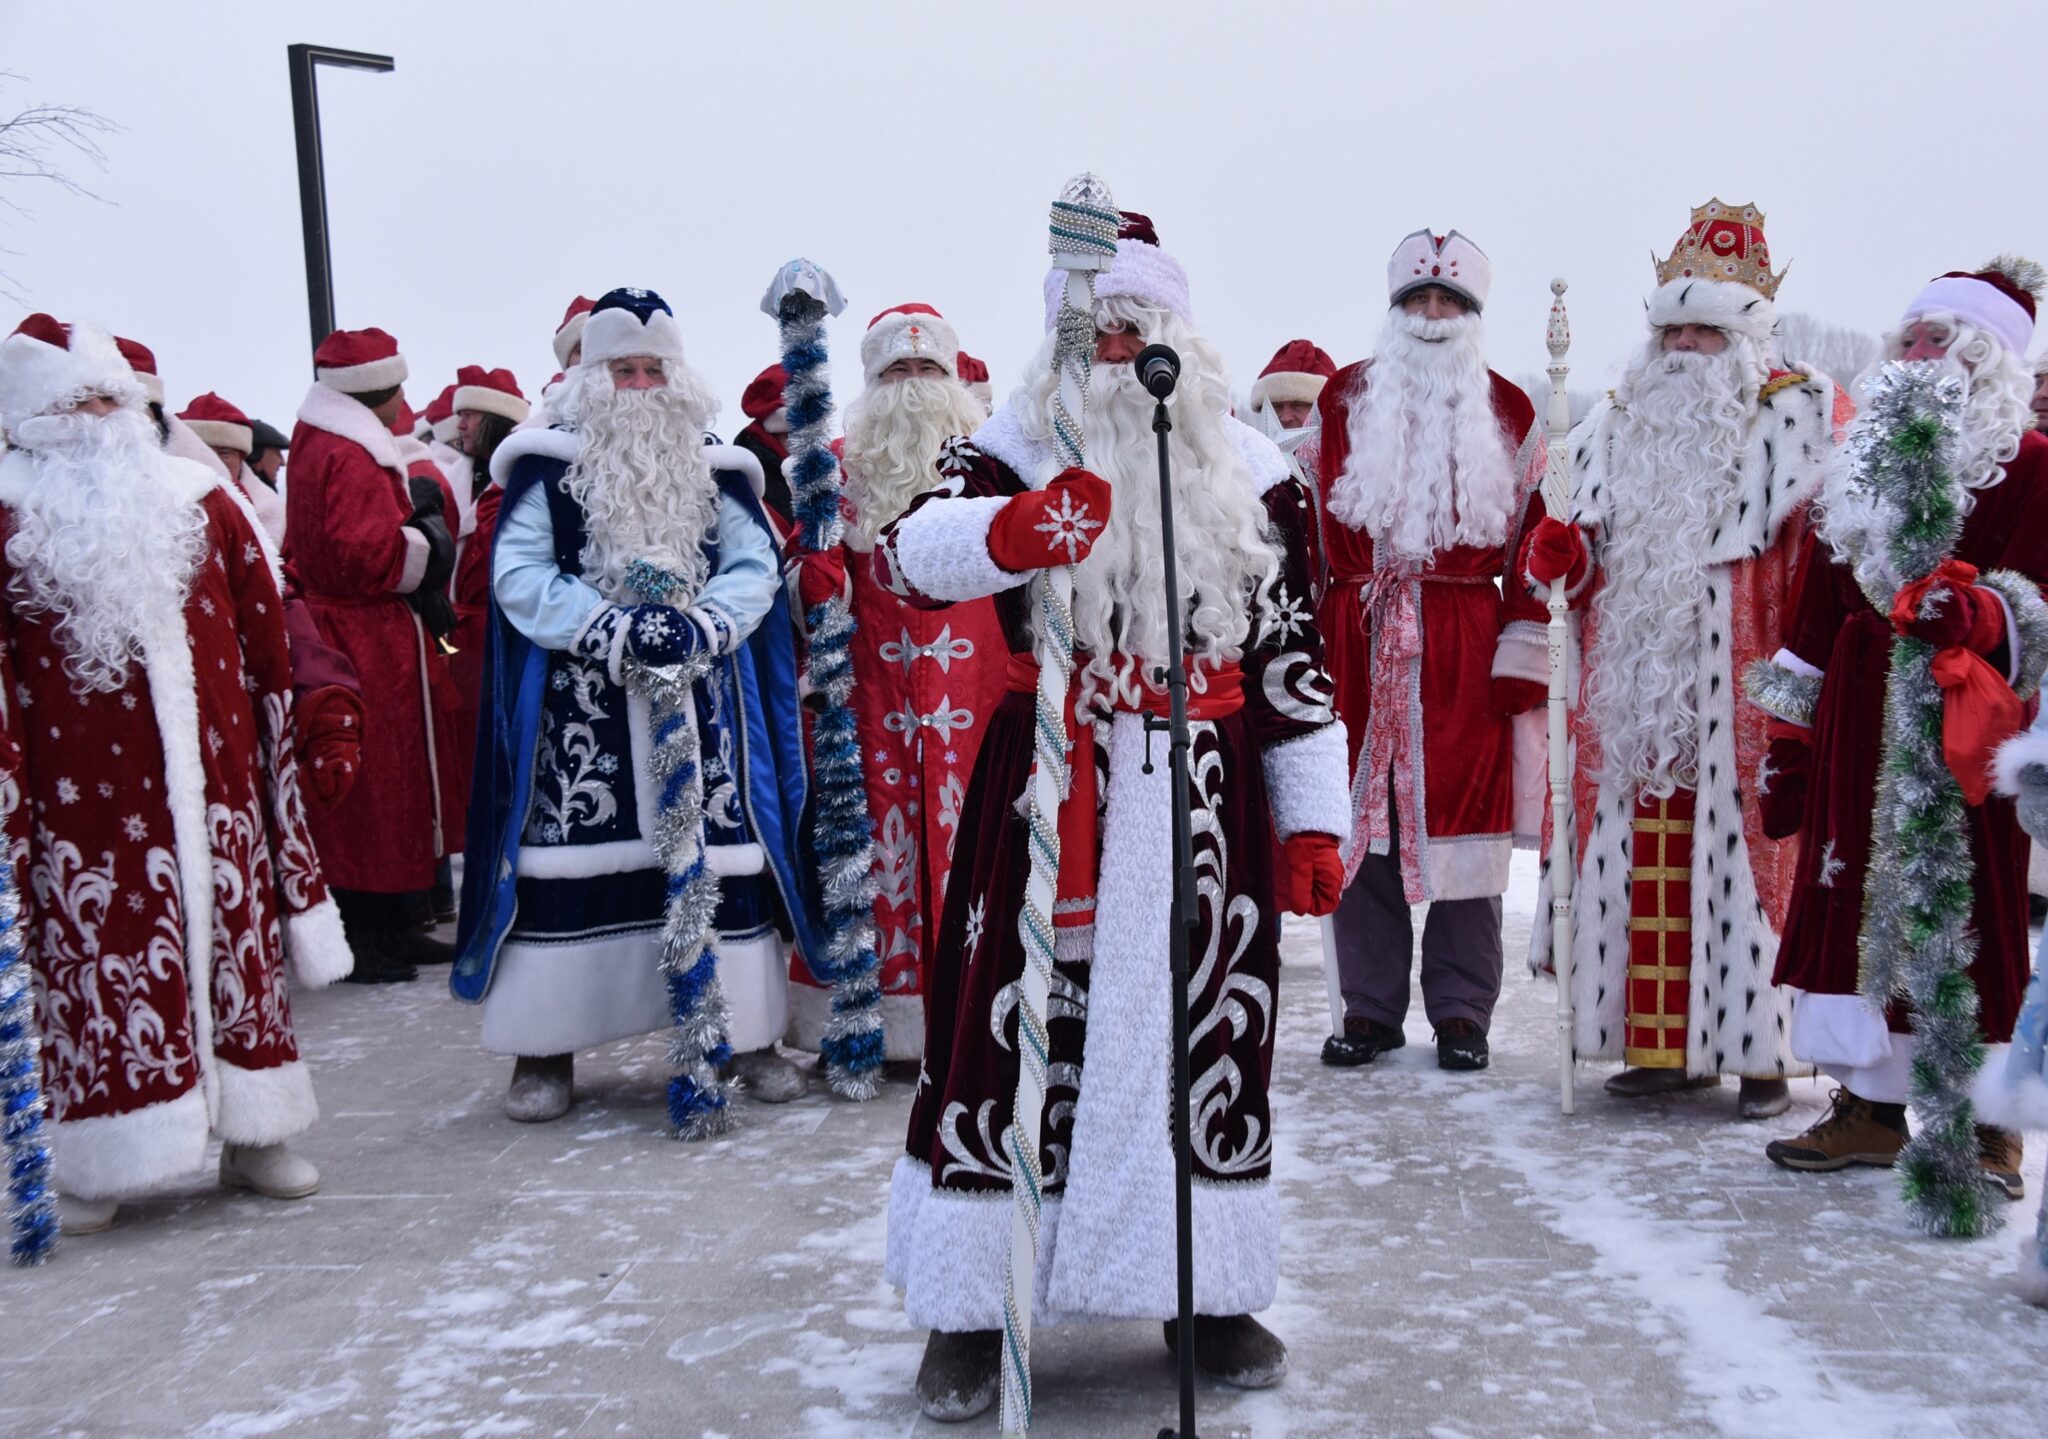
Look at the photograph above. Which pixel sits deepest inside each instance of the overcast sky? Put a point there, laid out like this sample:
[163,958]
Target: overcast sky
[522,153]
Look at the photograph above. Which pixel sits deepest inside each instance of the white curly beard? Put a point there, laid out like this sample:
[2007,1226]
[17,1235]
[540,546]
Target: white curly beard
[642,478]
[893,434]
[1428,468]
[107,538]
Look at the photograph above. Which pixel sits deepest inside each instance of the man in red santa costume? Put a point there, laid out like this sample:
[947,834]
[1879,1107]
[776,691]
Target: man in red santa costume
[373,549]
[1285,394]
[1690,483]
[149,791]
[766,437]
[225,430]
[1428,464]
[1827,691]
[1267,803]
[925,681]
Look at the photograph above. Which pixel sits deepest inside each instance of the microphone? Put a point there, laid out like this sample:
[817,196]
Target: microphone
[1158,370]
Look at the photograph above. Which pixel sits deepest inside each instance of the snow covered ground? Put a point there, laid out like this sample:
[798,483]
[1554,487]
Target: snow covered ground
[1460,1261]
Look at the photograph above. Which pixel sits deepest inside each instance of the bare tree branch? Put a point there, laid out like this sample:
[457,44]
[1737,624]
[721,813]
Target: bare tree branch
[43,143]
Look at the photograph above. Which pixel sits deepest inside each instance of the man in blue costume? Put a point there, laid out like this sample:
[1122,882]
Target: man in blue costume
[639,781]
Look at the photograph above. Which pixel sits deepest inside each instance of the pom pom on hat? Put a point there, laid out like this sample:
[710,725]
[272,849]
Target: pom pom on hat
[494,392]
[142,360]
[359,362]
[627,322]
[908,332]
[46,363]
[1298,371]
[219,424]
[570,331]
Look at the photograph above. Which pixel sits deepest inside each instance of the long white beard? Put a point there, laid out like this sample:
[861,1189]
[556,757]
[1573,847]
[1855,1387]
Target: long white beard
[893,434]
[1857,526]
[107,539]
[643,481]
[1682,425]
[1428,468]
[1224,560]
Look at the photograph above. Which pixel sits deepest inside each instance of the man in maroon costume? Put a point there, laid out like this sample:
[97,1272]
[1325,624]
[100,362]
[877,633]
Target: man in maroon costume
[372,548]
[1428,464]
[925,681]
[1266,799]
[149,791]
[1826,690]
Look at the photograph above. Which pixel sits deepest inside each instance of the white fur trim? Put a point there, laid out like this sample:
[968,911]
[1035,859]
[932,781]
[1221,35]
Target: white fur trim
[1844,1030]
[2027,748]
[34,376]
[942,549]
[949,1252]
[490,401]
[1974,302]
[1523,652]
[265,1106]
[1284,385]
[776,422]
[113,1156]
[417,553]
[223,434]
[152,387]
[559,998]
[318,947]
[728,860]
[181,443]
[617,333]
[363,379]
[555,444]
[810,1012]
[1306,781]
[1466,866]
[1796,665]
[732,457]
[567,338]
[2009,1095]
[753,970]
[2030,1281]
[326,408]
[1721,303]
[1003,438]
[445,431]
[1268,465]
[897,336]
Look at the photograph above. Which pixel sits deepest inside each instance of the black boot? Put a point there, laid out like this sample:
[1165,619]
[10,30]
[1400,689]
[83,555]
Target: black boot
[1362,1041]
[1460,1045]
[375,963]
[960,1374]
[416,946]
[1235,1348]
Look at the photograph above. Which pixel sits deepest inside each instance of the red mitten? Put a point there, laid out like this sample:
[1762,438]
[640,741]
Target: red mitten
[1513,696]
[330,735]
[1057,525]
[1782,787]
[1313,879]
[821,576]
[1555,551]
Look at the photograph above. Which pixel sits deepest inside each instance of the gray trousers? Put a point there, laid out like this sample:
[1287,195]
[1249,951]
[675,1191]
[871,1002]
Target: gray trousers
[1461,950]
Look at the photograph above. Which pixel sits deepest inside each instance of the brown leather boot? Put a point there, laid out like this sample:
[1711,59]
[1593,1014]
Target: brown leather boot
[1849,1133]
[1999,1152]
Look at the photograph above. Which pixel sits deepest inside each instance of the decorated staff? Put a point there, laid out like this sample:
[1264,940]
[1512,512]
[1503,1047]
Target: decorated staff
[1557,503]
[799,299]
[31,1202]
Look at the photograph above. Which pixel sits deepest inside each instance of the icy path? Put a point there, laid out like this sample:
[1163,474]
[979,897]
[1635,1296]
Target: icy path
[1459,1261]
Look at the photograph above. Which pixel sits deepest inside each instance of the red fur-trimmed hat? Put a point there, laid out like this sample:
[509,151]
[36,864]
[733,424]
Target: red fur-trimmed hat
[762,400]
[142,360]
[219,424]
[974,374]
[46,363]
[357,362]
[908,332]
[569,333]
[440,415]
[1297,371]
[494,392]
[2000,299]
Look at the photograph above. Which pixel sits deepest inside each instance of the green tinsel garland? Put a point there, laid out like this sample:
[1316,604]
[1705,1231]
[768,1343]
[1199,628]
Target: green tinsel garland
[1917,941]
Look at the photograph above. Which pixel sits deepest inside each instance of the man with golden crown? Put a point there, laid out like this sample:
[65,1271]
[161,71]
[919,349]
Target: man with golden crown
[1690,487]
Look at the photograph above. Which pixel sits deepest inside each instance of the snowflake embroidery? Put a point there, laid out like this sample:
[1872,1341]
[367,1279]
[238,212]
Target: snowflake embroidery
[205,606]
[653,629]
[135,827]
[134,902]
[551,832]
[67,790]
[952,756]
[1068,525]
[214,741]
[1288,616]
[1831,866]
[974,924]
[106,790]
[881,756]
[250,554]
[21,693]
[127,701]
[957,454]
[560,680]
[607,763]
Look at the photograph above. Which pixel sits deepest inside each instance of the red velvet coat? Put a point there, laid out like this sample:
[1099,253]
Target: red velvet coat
[165,869]
[1837,632]
[1454,752]
[346,540]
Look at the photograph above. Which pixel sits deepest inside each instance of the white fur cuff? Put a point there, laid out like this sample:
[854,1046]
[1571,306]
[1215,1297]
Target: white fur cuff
[2028,748]
[1523,653]
[1307,783]
[265,1106]
[317,946]
[114,1155]
[942,550]
[417,553]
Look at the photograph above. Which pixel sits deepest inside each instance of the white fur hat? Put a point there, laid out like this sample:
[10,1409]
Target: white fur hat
[1449,261]
[631,322]
[1141,271]
[45,363]
[909,332]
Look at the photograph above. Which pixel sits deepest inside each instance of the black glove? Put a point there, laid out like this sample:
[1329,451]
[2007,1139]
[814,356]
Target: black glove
[440,550]
[434,610]
[427,496]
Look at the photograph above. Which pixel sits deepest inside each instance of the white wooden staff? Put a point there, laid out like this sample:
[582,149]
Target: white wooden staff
[1557,499]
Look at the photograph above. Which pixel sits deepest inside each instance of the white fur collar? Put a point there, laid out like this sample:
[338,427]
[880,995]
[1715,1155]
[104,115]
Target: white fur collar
[555,444]
[1003,438]
[732,457]
[326,408]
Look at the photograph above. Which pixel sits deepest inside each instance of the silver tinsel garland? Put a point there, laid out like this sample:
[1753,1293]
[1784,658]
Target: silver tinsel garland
[24,1139]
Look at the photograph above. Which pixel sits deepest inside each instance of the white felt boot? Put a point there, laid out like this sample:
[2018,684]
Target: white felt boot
[267,1169]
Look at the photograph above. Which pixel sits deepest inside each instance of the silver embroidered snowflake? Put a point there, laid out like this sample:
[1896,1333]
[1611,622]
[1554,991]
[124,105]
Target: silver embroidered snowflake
[551,832]
[1287,617]
[560,681]
[67,790]
[134,902]
[957,453]
[205,605]
[607,763]
[128,701]
[974,926]
[106,790]
[1068,525]
[135,827]
[1831,866]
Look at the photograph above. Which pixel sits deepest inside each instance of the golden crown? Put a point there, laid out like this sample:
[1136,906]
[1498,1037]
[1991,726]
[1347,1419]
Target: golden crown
[1724,243]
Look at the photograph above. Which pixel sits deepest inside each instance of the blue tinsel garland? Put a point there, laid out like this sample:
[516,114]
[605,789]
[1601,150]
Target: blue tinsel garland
[31,1202]
[844,838]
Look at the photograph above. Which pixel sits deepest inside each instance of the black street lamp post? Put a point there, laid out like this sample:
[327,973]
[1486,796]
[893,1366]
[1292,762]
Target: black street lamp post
[313,175]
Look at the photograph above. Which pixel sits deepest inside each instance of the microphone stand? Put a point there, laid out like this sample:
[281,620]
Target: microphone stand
[1181,927]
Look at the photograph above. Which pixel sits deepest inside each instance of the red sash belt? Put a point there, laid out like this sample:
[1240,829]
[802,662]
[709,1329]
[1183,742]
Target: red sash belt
[1074,899]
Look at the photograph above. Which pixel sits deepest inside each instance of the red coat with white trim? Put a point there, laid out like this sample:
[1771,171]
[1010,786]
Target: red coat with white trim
[346,541]
[166,870]
[1450,751]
